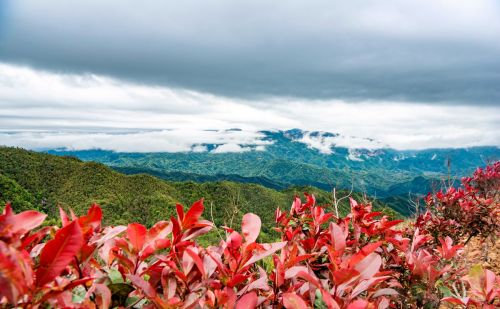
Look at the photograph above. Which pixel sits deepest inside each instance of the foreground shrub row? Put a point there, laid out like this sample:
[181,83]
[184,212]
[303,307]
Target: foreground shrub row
[363,260]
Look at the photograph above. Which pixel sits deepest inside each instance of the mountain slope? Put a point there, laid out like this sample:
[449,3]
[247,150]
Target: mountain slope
[42,181]
[296,157]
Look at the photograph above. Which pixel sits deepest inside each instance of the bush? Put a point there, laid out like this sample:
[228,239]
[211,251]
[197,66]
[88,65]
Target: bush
[472,210]
[362,260]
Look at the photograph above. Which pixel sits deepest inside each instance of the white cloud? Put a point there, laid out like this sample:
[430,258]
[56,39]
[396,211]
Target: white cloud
[142,141]
[231,148]
[325,143]
[199,148]
[50,110]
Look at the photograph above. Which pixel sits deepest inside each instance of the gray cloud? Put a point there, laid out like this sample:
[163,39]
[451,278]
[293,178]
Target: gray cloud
[392,50]
[42,109]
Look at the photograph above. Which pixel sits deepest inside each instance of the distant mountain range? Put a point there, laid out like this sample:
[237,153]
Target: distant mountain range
[321,159]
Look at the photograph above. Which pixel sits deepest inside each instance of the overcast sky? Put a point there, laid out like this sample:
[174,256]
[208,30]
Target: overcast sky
[411,74]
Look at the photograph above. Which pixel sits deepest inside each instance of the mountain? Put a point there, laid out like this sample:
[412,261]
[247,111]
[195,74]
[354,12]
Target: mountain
[33,180]
[295,157]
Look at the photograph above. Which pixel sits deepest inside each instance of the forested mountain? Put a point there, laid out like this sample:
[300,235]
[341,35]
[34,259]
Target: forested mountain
[319,159]
[33,180]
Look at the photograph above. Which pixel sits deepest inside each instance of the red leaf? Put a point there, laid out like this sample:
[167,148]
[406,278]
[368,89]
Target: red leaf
[447,250]
[234,240]
[193,214]
[250,227]
[176,228]
[142,285]
[328,299]
[311,200]
[16,276]
[197,260]
[358,304]
[456,301]
[136,234]
[247,301]
[343,275]
[180,212]
[309,278]
[365,251]
[236,279]
[8,209]
[293,301]
[102,295]
[59,252]
[160,230]
[294,270]
[296,205]
[28,220]
[268,250]
[93,218]
[64,217]
[21,223]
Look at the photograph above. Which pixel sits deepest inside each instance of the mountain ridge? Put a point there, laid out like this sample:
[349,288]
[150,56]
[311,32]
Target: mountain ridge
[288,161]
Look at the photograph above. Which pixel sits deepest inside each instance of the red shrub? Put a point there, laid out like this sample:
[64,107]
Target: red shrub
[472,210]
[360,261]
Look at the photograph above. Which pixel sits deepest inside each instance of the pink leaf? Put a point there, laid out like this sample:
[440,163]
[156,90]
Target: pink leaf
[447,250]
[268,250]
[293,271]
[338,237]
[296,205]
[369,266]
[385,291]
[309,278]
[28,220]
[250,227]
[358,304]
[197,260]
[109,233]
[103,295]
[247,301]
[293,301]
[142,285]
[259,284]
[364,285]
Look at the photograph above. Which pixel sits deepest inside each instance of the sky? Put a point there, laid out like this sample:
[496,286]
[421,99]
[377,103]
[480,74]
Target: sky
[169,75]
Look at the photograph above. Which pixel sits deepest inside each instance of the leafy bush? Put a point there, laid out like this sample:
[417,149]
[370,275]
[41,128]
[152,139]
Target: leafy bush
[472,210]
[362,260]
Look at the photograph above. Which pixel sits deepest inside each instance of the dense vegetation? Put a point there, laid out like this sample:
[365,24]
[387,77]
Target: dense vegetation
[323,260]
[41,181]
[387,174]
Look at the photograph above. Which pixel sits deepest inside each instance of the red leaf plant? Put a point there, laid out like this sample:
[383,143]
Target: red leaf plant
[362,260]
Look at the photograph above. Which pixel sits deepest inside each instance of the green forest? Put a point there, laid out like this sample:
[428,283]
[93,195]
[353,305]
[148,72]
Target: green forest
[32,180]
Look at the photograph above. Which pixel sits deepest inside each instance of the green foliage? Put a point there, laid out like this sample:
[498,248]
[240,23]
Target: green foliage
[388,174]
[11,191]
[44,181]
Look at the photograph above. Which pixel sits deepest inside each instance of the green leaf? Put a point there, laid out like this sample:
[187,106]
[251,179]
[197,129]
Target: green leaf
[318,301]
[115,276]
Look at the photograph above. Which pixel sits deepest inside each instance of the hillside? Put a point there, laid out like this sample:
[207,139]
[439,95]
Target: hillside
[297,157]
[42,181]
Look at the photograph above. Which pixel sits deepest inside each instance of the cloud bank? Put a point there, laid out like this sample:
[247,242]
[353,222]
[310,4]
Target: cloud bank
[42,109]
[443,51]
